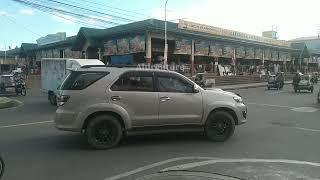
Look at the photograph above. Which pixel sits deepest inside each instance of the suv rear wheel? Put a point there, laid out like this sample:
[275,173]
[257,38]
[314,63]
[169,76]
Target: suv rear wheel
[104,132]
[220,126]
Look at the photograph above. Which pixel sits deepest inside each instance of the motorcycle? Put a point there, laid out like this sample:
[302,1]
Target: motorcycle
[20,87]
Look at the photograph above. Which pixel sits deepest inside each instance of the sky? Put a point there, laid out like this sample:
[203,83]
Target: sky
[291,18]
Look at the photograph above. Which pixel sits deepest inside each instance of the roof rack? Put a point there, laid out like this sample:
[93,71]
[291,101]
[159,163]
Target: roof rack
[117,66]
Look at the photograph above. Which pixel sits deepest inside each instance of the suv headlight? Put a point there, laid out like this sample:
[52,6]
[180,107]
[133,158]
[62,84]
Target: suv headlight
[238,99]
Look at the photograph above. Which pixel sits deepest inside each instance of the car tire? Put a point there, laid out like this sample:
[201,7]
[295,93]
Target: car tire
[104,132]
[219,126]
[52,99]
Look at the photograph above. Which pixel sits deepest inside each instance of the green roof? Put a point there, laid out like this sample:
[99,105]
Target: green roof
[10,53]
[95,36]
[67,42]
[28,46]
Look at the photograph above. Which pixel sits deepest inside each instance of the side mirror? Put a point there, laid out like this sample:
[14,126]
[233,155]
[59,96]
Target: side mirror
[195,88]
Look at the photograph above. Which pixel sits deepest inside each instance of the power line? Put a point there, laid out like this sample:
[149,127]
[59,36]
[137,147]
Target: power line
[47,8]
[11,19]
[86,9]
[100,4]
[110,9]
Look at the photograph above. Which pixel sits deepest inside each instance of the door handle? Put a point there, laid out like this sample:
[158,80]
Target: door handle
[164,99]
[115,98]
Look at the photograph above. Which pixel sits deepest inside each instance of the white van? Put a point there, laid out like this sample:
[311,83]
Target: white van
[55,70]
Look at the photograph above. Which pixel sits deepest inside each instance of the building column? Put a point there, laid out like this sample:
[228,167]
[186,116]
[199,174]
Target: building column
[192,57]
[148,48]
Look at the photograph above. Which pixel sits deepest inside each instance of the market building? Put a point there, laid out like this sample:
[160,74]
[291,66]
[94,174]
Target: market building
[8,60]
[30,54]
[309,53]
[198,47]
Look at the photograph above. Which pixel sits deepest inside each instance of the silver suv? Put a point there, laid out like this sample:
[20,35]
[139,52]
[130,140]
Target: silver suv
[107,103]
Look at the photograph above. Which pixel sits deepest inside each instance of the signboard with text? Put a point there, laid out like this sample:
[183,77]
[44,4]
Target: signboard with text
[182,46]
[191,26]
[201,48]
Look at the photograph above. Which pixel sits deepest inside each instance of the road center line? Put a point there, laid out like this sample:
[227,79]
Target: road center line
[144,168]
[307,129]
[207,161]
[272,105]
[214,161]
[25,124]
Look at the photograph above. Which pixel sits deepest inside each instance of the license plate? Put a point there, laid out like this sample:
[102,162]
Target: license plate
[10,89]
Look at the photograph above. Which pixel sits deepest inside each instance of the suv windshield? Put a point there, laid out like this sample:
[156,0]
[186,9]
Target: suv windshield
[79,80]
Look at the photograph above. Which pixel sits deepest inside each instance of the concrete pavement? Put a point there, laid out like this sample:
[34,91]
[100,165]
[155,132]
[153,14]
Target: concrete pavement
[280,126]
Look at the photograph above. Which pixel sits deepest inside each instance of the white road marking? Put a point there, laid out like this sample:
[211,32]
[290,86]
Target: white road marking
[209,160]
[203,163]
[276,92]
[25,124]
[307,129]
[144,168]
[272,105]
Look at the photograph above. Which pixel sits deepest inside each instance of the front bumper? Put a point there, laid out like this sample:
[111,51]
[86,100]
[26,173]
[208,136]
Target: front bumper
[242,113]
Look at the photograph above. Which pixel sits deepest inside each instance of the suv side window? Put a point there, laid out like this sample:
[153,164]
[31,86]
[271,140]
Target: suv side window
[79,80]
[167,83]
[134,81]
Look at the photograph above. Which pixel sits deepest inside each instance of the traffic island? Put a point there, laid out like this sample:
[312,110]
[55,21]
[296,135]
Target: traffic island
[8,103]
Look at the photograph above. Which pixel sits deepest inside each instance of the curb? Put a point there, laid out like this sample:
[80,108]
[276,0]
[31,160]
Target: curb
[249,86]
[9,103]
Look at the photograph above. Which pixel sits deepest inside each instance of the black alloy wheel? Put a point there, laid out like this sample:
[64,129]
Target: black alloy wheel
[2,166]
[104,132]
[220,126]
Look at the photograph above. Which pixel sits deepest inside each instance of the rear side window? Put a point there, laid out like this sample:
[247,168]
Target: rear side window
[134,82]
[78,80]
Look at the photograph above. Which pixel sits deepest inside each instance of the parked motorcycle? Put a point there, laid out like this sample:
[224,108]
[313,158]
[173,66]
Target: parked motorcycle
[20,87]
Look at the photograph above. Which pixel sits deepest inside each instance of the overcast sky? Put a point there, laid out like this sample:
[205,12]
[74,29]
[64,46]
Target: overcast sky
[292,18]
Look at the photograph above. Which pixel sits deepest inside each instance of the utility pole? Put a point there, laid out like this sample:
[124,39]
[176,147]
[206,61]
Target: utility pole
[165,56]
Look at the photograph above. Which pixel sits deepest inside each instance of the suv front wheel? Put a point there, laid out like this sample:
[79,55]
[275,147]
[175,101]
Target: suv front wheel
[104,132]
[220,126]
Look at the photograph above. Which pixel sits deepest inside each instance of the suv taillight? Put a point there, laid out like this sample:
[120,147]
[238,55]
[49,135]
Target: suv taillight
[62,99]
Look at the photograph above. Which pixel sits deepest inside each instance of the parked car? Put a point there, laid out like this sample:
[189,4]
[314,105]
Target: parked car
[107,103]
[305,83]
[55,70]
[7,84]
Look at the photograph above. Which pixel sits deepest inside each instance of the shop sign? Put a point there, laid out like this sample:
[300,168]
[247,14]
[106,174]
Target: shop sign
[137,44]
[182,46]
[187,25]
[123,46]
[201,48]
[110,48]
[215,50]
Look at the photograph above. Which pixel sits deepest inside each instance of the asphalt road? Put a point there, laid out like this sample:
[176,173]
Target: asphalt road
[281,125]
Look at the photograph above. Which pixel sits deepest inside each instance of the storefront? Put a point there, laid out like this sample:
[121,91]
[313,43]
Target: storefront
[199,48]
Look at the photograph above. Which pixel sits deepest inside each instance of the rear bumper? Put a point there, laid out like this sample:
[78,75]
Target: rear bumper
[66,121]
